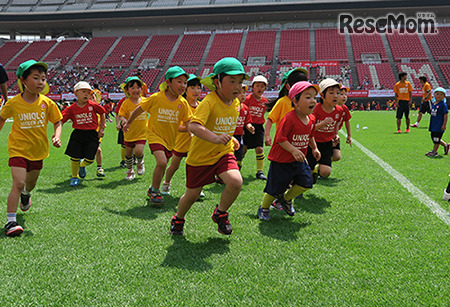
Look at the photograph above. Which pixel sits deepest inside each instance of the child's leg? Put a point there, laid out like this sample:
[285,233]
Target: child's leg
[139,151]
[189,197]
[294,191]
[233,184]
[173,167]
[259,158]
[123,151]
[129,157]
[267,201]
[99,156]
[435,147]
[324,170]
[21,179]
[160,168]
[74,166]
[336,155]
[86,162]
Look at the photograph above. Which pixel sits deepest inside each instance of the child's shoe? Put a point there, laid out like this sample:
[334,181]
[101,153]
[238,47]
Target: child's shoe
[446,196]
[260,175]
[25,202]
[431,154]
[74,182]
[287,206]
[155,196]
[122,164]
[100,172]
[176,226]
[416,125]
[407,130]
[129,175]
[141,168]
[202,195]
[399,131]
[165,189]
[224,226]
[13,229]
[276,205]
[82,172]
[263,214]
[447,148]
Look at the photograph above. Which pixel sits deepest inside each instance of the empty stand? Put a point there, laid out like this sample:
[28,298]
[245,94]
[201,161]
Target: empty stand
[406,46]
[125,51]
[35,50]
[330,45]
[94,51]
[445,68]
[65,50]
[224,45]
[294,46]
[375,76]
[438,44]
[370,44]
[415,70]
[260,43]
[191,49]
[159,47]
[9,50]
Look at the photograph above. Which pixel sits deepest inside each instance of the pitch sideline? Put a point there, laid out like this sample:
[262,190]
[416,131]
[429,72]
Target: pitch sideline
[432,205]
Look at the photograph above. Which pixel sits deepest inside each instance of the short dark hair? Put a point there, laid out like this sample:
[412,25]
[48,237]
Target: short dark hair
[39,68]
[423,78]
[401,75]
[133,82]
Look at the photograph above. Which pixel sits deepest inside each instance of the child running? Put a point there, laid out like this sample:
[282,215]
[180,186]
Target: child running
[27,142]
[257,105]
[345,119]
[438,121]
[244,119]
[84,140]
[167,110]
[183,140]
[288,154]
[327,115]
[212,146]
[135,138]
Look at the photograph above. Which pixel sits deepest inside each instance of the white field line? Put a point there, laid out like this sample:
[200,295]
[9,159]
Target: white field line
[432,205]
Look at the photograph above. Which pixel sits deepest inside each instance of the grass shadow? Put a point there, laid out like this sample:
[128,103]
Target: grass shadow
[281,227]
[118,183]
[63,186]
[312,204]
[329,182]
[186,255]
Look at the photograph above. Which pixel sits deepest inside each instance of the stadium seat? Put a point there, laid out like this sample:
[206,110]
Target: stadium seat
[260,44]
[224,45]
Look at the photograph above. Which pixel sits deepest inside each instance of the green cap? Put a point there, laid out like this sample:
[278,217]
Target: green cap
[172,73]
[229,66]
[25,66]
[122,85]
[192,77]
[288,73]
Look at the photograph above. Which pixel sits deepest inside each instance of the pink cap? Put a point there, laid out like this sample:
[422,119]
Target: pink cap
[345,88]
[300,87]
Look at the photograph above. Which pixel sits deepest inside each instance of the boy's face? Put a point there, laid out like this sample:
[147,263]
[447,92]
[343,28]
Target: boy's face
[134,91]
[241,95]
[178,85]
[83,95]
[403,78]
[258,89]
[342,97]
[307,101]
[439,96]
[331,95]
[193,92]
[34,82]
[230,86]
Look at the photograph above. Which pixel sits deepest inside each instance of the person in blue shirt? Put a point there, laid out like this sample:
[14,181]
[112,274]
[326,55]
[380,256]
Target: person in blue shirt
[438,121]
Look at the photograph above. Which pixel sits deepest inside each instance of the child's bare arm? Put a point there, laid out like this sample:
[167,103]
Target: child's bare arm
[267,127]
[138,111]
[323,123]
[349,132]
[444,124]
[207,135]
[297,154]
[101,131]
[315,151]
[2,122]
[56,137]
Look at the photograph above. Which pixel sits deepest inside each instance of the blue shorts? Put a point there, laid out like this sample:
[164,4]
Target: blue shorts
[281,175]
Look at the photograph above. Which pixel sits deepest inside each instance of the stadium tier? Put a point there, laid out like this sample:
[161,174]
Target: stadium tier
[368,44]
[191,49]
[406,46]
[94,51]
[260,44]
[294,46]
[439,44]
[34,50]
[125,51]
[445,68]
[330,45]
[375,76]
[159,48]
[64,51]
[415,70]
[9,50]
[224,45]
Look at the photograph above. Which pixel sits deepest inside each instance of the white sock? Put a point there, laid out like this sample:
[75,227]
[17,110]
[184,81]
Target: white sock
[25,192]
[11,217]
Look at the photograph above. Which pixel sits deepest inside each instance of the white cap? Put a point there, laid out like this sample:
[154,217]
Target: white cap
[82,85]
[326,83]
[260,79]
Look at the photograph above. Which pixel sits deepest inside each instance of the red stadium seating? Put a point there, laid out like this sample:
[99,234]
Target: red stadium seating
[224,45]
[406,46]
[294,46]
[260,43]
[122,54]
[377,75]
[148,76]
[445,67]
[191,49]
[8,50]
[330,45]
[34,50]
[439,44]
[106,76]
[94,51]
[159,47]
[415,70]
[368,44]
[64,51]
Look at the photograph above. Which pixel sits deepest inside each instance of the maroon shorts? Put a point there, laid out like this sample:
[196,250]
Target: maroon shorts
[179,154]
[199,176]
[133,144]
[25,163]
[155,147]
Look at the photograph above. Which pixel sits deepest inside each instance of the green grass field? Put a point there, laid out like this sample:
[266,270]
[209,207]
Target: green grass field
[358,238]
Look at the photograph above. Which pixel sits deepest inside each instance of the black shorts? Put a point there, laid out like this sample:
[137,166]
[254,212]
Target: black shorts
[436,136]
[238,153]
[254,140]
[83,144]
[425,107]
[403,107]
[120,138]
[337,146]
[326,152]
[281,175]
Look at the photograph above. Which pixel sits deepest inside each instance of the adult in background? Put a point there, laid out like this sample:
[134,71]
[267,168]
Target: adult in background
[425,106]
[403,97]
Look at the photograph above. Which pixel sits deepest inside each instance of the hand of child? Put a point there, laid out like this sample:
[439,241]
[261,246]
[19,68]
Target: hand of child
[316,154]
[349,140]
[236,144]
[336,139]
[119,125]
[267,140]
[222,139]
[251,129]
[101,133]
[444,127]
[125,127]
[298,155]
[56,142]
[328,120]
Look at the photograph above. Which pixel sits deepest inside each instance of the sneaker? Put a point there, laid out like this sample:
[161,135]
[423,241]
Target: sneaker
[276,205]
[224,226]
[407,130]
[25,202]
[165,189]
[74,182]
[13,229]
[141,168]
[260,175]
[446,196]
[82,172]
[155,197]
[129,175]
[122,164]
[176,226]
[202,195]
[287,206]
[431,154]
[263,214]
[447,148]
[416,125]
[399,131]
[100,172]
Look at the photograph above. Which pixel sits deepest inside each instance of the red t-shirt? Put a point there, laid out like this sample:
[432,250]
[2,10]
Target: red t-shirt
[243,119]
[119,104]
[84,118]
[293,130]
[257,108]
[345,116]
[326,133]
